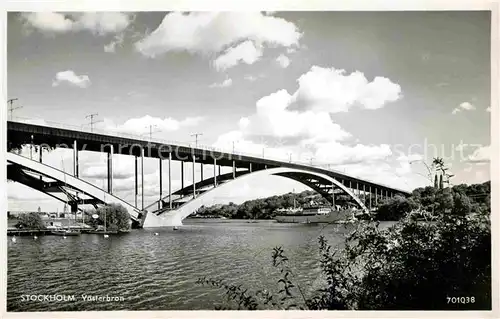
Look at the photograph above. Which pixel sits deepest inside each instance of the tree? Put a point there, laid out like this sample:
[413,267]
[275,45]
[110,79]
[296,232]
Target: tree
[395,208]
[30,221]
[409,266]
[117,217]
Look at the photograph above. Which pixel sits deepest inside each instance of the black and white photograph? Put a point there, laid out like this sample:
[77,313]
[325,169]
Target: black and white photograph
[231,160]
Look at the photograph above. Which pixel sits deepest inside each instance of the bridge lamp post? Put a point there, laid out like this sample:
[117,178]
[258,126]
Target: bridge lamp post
[196,138]
[234,149]
[289,157]
[311,160]
[150,127]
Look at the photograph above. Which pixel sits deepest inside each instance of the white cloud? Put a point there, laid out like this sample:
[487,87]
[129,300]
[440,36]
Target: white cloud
[240,34]
[48,21]
[245,52]
[142,125]
[104,22]
[225,83]
[320,92]
[464,106]
[331,90]
[300,124]
[250,78]
[69,76]
[118,41]
[100,23]
[283,61]
[336,153]
[406,161]
[273,118]
[481,155]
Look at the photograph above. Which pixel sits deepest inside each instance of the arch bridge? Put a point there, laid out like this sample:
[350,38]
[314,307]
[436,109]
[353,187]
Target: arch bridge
[172,206]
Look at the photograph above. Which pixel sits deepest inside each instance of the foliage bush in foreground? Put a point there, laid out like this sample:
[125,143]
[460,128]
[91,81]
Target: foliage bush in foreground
[412,265]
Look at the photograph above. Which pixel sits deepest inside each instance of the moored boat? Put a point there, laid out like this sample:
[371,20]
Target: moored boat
[315,215]
[96,231]
[66,232]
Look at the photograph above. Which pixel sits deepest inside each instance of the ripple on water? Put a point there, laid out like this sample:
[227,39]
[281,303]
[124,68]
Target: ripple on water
[160,272]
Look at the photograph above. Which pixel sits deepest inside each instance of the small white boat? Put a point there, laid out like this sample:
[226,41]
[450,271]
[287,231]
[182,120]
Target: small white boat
[14,239]
[175,228]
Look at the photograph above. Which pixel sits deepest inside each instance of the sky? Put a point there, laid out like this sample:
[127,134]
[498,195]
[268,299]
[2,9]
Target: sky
[372,94]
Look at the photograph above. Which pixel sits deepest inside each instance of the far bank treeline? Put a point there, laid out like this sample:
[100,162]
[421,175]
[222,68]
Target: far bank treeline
[424,198]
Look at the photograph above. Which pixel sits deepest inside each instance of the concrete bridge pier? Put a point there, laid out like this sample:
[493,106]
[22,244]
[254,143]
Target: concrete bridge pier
[142,178]
[110,170]
[370,192]
[234,169]
[215,173]
[194,176]
[182,175]
[161,183]
[170,180]
[333,197]
[75,158]
[136,179]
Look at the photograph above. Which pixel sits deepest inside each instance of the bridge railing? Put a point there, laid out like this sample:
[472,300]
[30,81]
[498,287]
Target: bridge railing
[117,133]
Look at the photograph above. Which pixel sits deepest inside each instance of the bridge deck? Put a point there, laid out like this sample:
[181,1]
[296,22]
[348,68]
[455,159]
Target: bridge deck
[24,133]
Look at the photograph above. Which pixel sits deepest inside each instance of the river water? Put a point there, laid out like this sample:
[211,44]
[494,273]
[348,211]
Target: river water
[144,271]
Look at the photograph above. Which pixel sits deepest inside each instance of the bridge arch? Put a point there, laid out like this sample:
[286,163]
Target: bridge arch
[308,178]
[75,183]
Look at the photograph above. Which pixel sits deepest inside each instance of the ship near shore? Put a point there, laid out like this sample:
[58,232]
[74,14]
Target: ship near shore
[322,214]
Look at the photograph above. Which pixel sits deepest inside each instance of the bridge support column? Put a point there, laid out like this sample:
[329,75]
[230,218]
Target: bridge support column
[110,170]
[370,191]
[194,181]
[376,197]
[234,169]
[357,188]
[201,170]
[215,172]
[219,170]
[75,159]
[170,180]
[40,151]
[160,206]
[182,175]
[333,197]
[136,179]
[142,178]
[250,168]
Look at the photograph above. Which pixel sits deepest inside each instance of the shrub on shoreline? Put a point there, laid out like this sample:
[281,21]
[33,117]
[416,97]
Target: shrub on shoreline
[412,265]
